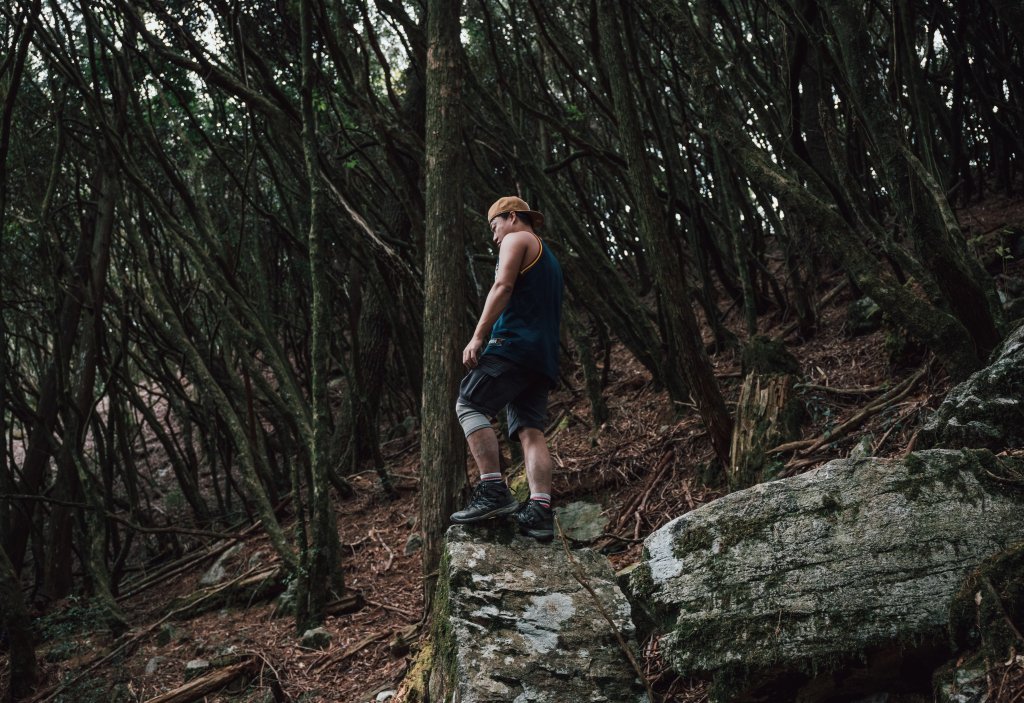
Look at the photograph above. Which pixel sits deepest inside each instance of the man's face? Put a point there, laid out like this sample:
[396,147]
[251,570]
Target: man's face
[500,226]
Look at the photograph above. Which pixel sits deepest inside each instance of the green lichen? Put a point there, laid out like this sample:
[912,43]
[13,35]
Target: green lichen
[648,617]
[746,528]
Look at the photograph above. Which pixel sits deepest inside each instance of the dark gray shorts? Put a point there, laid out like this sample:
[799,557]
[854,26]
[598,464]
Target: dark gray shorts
[497,383]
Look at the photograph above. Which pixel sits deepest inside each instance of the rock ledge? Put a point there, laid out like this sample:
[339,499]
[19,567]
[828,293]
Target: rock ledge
[514,625]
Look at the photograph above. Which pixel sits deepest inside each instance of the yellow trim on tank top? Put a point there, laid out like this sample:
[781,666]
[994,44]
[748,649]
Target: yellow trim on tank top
[539,254]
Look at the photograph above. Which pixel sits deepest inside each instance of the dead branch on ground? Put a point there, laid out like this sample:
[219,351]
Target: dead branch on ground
[208,683]
[804,448]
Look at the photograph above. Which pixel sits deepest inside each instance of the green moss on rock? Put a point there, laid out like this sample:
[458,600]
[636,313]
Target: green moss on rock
[695,538]
[444,666]
[641,584]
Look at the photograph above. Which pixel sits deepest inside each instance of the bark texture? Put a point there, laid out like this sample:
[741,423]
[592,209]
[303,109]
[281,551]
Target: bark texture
[322,559]
[767,414]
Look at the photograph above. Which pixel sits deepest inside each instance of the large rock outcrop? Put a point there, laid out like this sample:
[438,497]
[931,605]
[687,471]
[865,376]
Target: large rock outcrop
[832,584]
[514,625]
[986,410]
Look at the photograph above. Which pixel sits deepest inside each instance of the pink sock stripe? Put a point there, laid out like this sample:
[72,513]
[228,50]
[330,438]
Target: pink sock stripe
[491,477]
[541,498]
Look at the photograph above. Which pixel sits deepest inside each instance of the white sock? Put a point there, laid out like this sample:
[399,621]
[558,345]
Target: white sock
[496,476]
[542,498]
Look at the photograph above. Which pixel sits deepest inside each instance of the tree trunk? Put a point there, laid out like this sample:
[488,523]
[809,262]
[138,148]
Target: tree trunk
[371,339]
[321,558]
[591,377]
[442,451]
[76,426]
[766,415]
[15,622]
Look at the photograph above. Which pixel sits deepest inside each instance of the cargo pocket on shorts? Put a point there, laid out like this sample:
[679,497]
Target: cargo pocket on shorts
[494,365]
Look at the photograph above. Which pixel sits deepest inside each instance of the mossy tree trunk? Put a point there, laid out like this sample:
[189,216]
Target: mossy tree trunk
[321,558]
[442,448]
[75,418]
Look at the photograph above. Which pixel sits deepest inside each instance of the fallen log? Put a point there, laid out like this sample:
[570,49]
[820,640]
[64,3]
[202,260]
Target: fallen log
[251,587]
[349,603]
[207,684]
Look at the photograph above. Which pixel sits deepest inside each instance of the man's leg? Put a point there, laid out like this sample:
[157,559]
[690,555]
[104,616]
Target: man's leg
[480,394]
[535,517]
[483,445]
[538,460]
[491,497]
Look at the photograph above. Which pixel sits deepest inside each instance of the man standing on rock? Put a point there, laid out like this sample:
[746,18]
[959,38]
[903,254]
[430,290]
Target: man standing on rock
[513,363]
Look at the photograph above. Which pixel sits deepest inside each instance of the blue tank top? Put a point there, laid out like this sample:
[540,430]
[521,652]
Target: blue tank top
[527,332]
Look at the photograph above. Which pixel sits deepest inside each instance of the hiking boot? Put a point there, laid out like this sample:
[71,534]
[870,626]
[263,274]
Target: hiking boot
[490,499]
[535,520]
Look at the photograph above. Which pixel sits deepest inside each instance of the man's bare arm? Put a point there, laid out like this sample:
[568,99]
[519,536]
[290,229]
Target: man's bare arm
[510,262]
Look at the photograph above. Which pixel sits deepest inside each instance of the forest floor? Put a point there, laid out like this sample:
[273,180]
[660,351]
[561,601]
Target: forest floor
[645,466]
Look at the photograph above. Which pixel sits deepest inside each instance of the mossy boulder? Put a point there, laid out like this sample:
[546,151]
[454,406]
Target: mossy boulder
[986,410]
[835,582]
[512,623]
[581,521]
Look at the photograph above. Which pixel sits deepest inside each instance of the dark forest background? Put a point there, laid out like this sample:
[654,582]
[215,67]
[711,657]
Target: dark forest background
[255,231]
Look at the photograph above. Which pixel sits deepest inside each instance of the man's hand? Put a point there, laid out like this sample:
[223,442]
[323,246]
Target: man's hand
[471,354]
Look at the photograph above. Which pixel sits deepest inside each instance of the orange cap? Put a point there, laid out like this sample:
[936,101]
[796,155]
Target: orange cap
[512,203]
